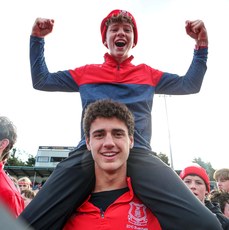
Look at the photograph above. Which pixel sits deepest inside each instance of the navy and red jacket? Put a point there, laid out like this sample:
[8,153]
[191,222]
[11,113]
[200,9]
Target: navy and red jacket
[133,85]
[127,212]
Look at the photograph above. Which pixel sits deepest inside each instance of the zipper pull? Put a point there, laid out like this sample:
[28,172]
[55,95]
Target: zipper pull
[101,213]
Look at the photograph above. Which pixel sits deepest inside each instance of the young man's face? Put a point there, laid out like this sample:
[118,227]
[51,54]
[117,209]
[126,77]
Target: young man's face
[109,144]
[119,40]
[223,184]
[197,186]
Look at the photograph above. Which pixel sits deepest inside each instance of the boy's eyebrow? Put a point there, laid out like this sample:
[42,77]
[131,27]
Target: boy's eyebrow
[117,23]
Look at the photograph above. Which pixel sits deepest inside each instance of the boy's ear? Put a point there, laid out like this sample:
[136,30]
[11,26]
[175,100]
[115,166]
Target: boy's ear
[105,44]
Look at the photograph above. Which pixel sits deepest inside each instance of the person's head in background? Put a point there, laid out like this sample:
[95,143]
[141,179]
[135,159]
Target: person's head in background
[197,180]
[27,195]
[222,198]
[221,176]
[8,137]
[24,183]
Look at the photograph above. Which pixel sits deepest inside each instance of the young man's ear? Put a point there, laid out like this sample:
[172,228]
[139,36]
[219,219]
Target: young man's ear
[87,143]
[131,142]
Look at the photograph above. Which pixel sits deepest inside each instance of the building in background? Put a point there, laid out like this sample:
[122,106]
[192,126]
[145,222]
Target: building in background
[50,156]
[46,160]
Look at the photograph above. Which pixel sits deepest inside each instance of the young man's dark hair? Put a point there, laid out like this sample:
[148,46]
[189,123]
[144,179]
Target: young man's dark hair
[108,109]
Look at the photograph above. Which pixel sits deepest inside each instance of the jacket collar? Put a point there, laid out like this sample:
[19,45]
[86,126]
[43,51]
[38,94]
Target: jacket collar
[111,61]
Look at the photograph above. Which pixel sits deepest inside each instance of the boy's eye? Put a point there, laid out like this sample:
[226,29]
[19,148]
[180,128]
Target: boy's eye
[114,29]
[127,30]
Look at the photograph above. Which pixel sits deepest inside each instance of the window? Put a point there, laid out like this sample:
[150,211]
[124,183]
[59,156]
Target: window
[57,159]
[42,159]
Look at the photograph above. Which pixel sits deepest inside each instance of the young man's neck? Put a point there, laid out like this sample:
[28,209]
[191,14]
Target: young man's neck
[110,181]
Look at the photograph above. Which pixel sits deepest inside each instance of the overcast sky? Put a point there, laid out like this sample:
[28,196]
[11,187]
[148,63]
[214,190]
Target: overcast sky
[198,124]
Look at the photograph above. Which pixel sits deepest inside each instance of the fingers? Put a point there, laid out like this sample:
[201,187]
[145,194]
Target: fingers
[44,23]
[42,27]
[196,29]
[194,26]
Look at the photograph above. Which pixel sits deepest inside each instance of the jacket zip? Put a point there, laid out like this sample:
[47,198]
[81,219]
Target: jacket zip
[101,213]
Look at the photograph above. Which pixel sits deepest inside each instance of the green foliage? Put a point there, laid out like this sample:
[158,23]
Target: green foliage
[15,158]
[30,161]
[206,165]
[163,157]
[15,161]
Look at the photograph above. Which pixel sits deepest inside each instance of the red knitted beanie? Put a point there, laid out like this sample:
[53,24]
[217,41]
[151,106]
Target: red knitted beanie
[196,170]
[103,27]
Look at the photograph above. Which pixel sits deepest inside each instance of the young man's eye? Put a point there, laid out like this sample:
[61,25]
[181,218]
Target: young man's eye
[119,134]
[98,135]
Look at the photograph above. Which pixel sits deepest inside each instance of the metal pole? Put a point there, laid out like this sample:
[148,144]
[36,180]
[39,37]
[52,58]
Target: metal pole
[170,145]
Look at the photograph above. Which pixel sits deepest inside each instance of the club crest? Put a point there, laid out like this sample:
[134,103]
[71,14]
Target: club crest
[137,214]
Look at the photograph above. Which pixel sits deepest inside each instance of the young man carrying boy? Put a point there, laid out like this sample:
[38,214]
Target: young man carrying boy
[156,184]
[109,130]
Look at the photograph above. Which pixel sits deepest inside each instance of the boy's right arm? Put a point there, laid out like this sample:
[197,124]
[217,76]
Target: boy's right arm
[42,79]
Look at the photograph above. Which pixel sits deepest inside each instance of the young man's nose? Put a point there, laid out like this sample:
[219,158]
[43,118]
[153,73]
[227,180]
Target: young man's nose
[108,140]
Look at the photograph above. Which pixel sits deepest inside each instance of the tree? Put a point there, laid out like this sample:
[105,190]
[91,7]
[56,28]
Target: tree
[30,161]
[207,166]
[163,157]
[13,160]
[16,156]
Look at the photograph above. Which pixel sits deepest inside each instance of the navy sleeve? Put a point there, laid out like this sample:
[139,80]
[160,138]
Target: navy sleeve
[42,79]
[191,82]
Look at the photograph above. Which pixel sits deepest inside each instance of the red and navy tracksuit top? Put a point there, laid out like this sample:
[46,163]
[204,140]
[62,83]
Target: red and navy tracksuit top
[133,85]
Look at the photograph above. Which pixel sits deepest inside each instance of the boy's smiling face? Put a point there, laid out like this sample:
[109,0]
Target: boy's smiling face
[119,40]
